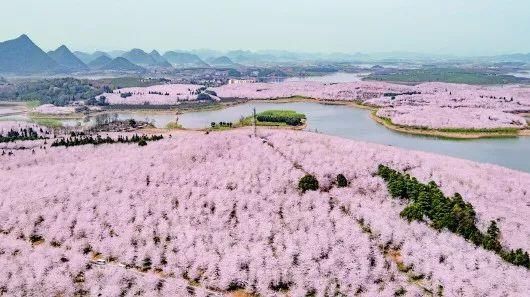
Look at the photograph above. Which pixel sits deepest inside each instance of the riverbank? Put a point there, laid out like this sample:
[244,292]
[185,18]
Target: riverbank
[446,133]
[457,134]
[187,108]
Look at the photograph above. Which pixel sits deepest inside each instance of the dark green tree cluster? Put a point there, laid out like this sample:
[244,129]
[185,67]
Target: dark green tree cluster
[98,101]
[158,93]
[58,91]
[21,134]
[428,202]
[126,94]
[308,183]
[341,181]
[291,118]
[82,140]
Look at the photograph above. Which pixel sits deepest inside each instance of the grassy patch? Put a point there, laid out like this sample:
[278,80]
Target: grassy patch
[482,130]
[32,104]
[48,122]
[275,118]
[448,75]
[289,117]
[174,126]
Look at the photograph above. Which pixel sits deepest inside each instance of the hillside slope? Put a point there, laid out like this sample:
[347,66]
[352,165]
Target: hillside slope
[223,212]
[63,56]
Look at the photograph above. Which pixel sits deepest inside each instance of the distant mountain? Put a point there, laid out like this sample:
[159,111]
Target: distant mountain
[222,61]
[98,54]
[139,57]
[22,56]
[160,61]
[206,53]
[153,59]
[100,62]
[251,58]
[84,57]
[122,64]
[87,58]
[184,60]
[66,58]
[115,53]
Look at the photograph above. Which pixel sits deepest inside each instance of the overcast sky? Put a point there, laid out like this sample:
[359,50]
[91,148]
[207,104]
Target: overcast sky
[462,27]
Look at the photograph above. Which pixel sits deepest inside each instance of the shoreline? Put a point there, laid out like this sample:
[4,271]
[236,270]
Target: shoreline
[447,134]
[402,129]
[175,110]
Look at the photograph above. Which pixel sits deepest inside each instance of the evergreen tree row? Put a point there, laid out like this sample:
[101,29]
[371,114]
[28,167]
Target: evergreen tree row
[22,134]
[82,140]
[428,203]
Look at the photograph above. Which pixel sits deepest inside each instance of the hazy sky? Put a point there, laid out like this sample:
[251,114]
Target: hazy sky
[463,27]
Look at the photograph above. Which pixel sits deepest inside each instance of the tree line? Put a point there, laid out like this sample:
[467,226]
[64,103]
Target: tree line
[22,134]
[83,139]
[289,117]
[451,213]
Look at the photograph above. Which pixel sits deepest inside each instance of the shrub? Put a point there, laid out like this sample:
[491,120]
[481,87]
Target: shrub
[142,142]
[342,181]
[35,238]
[400,292]
[308,183]
[289,117]
[126,94]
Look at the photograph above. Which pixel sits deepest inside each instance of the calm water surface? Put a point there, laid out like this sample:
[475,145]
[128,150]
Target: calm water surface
[353,123]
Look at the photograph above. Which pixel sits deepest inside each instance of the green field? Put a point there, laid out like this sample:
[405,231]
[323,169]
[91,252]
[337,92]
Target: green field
[48,122]
[448,75]
[32,104]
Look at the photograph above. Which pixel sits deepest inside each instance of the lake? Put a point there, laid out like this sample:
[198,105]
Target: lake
[355,123]
[347,122]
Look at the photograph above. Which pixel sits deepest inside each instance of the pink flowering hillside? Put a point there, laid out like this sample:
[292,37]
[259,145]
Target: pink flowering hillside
[154,95]
[451,117]
[203,215]
[317,90]
[425,104]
